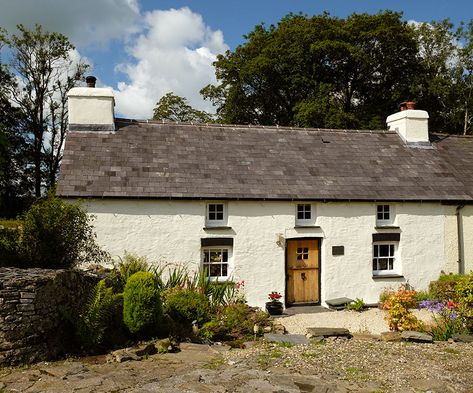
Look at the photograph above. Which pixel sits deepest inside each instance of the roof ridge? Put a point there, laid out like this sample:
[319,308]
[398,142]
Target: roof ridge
[250,126]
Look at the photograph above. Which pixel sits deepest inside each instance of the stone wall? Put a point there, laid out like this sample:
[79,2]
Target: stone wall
[31,324]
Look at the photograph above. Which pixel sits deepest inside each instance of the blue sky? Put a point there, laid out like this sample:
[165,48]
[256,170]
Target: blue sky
[144,48]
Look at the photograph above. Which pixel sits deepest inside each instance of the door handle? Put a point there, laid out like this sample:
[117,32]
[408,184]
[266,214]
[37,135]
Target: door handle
[303,276]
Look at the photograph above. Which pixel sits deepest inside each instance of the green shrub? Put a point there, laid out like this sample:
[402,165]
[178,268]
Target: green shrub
[125,268]
[10,253]
[357,305]
[235,321]
[423,295]
[97,323]
[58,235]
[464,295]
[444,288]
[185,306]
[142,308]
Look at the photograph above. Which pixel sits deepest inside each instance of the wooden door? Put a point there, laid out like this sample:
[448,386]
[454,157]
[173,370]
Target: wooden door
[303,271]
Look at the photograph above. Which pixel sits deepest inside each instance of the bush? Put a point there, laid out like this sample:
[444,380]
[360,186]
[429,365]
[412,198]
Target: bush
[358,305]
[185,306]
[10,253]
[235,321]
[58,235]
[125,268]
[447,319]
[444,288]
[142,308]
[398,304]
[96,324]
[464,295]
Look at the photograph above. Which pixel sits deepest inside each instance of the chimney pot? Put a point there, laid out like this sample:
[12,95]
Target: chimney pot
[90,80]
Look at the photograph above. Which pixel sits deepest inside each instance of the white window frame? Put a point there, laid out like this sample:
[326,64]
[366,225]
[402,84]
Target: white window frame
[215,222]
[305,221]
[380,222]
[229,262]
[394,256]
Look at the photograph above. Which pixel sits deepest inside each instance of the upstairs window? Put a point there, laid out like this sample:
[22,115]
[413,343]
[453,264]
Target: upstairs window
[384,215]
[305,214]
[216,214]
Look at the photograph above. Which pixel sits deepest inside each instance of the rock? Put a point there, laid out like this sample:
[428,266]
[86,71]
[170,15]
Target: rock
[146,350]
[409,335]
[390,336]
[267,329]
[295,339]
[328,332]
[123,355]
[317,340]
[278,328]
[463,338]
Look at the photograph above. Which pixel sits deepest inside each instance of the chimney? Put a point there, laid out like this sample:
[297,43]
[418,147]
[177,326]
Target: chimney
[411,124]
[91,108]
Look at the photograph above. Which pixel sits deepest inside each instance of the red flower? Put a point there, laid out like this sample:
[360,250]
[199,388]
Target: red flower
[274,296]
[452,305]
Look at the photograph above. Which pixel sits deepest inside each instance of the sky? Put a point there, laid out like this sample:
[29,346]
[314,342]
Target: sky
[143,49]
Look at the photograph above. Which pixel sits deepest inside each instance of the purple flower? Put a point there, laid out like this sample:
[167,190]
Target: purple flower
[432,305]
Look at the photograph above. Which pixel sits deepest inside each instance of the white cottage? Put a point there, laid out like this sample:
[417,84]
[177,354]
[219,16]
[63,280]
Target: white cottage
[314,214]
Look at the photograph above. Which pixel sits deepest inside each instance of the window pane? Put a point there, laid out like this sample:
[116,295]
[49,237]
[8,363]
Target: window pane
[375,264]
[215,270]
[382,264]
[211,216]
[219,216]
[219,208]
[307,215]
[376,250]
[206,257]
[391,264]
[391,250]
[300,215]
[215,256]
[384,250]
[224,269]
[225,256]
[211,208]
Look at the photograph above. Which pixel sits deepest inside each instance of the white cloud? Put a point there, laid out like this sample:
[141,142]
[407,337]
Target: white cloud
[174,53]
[84,22]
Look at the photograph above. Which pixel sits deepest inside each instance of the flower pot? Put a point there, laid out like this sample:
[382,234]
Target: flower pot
[274,308]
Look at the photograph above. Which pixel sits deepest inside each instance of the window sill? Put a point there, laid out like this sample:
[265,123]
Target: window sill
[386,227]
[383,276]
[217,227]
[307,226]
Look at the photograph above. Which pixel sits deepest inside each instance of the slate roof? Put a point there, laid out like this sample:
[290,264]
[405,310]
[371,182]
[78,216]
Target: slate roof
[177,160]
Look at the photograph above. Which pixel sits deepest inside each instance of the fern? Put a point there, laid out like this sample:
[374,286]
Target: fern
[97,315]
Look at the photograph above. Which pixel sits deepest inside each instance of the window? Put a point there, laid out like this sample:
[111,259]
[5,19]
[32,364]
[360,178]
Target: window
[304,214]
[384,215]
[216,262]
[384,258]
[302,253]
[216,214]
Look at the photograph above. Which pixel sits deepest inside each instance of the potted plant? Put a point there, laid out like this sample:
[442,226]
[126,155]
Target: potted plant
[274,306]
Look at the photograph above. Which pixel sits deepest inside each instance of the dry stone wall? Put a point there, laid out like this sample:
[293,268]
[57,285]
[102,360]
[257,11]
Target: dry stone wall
[32,327]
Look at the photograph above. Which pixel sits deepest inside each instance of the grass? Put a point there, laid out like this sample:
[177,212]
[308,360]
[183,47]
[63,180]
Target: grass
[275,354]
[453,351]
[310,354]
[355,373]
[284,344]
[215,363]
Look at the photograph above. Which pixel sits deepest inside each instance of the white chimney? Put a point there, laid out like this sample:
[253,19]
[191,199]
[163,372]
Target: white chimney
[412,125]
[90,108]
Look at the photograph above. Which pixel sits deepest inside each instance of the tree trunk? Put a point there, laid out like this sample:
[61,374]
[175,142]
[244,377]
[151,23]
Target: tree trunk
[465,121]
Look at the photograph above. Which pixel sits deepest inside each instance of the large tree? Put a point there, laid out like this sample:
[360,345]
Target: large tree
[42,64]
[321,71]
[172,107]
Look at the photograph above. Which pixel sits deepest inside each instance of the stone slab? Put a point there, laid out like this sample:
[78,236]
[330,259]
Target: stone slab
[463,338]
[338,303]
[391,336]
[328,332]
[296,339]
[409,335]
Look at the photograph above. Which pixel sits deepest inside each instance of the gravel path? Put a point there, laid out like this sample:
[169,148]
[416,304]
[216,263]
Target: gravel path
[370,321]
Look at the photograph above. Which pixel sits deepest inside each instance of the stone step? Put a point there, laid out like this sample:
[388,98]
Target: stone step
[328,332]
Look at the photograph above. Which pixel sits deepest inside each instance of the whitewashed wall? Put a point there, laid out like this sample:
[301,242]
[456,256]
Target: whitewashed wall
[170,231]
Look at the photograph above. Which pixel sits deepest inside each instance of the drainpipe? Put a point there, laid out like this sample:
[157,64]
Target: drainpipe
[461,262]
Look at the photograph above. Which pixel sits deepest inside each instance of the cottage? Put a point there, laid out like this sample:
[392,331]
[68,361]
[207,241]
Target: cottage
[314,214]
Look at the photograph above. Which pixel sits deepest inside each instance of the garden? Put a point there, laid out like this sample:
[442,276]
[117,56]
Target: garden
[134,301]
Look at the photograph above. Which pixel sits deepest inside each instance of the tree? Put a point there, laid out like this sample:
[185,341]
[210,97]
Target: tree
[175,108]
[321,71]
[15,153]
[42,63]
